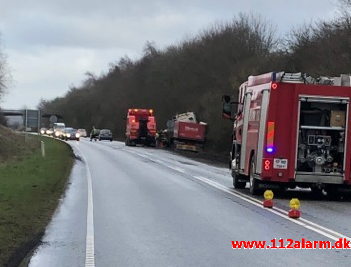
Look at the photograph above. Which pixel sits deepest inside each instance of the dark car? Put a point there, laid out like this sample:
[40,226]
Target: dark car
[105,134]
[70,134]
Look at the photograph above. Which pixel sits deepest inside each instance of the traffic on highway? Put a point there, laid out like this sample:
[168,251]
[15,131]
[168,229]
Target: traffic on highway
[175,133]
[142,203]
[155,207]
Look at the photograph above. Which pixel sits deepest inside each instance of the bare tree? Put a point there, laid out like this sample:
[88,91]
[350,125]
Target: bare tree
[345,3]
[4,75]
[344,7]
[3,120]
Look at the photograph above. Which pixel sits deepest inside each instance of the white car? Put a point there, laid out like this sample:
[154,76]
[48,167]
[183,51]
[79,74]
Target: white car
[58,128]
[43,131]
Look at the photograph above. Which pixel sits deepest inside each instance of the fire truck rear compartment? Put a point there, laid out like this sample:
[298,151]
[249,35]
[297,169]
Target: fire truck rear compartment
[143,131]
[321,140]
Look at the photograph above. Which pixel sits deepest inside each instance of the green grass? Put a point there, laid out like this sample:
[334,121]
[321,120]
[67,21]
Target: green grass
[30,187]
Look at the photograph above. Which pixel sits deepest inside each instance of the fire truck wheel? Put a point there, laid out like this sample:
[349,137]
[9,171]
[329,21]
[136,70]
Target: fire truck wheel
[127,142]
[236,183]
[332,192]
[317,192]
[254,183]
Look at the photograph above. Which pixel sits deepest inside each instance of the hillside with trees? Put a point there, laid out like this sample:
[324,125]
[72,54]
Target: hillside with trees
[194,74]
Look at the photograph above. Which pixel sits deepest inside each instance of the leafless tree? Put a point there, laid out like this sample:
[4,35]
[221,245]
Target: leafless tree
[345,3]
[4,72]
[344,8]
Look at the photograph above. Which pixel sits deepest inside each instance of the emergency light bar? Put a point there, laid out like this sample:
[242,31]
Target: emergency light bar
[263,78]
[281,76]
[140,112]
[270,137]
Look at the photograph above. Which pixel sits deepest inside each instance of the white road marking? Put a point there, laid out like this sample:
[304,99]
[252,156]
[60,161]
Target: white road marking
[329,233]
[89,241]
[176,169]
[89,248]
[282,213]
[301,219]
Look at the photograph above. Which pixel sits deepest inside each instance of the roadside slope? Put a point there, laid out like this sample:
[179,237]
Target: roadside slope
[30,188]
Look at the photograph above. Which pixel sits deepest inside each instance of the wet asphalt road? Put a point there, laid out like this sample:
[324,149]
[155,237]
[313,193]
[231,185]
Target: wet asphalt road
[153,208]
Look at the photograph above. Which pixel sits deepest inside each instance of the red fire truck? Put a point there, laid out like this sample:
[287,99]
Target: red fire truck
[141,127]
[291,130]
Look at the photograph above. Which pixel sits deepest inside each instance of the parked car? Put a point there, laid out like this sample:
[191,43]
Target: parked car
[62,134]
[82,132]
[50,131]
[58,128]
[43,131]
[105,134]
[70,134]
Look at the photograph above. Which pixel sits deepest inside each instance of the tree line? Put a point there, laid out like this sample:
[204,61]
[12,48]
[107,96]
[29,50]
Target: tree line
[194,74]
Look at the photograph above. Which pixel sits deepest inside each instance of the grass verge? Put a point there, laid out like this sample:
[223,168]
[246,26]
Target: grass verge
[30,187]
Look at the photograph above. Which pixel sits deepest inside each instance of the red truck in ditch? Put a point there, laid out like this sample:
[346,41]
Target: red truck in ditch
[141,127]
[291,130]
[184,132]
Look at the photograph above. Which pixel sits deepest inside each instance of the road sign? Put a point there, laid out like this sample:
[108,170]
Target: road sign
[53,119]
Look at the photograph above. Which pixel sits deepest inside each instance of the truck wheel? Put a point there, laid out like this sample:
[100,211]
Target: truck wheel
[317,192]
[236,183]
[127,142]
[254,183]
[332,192]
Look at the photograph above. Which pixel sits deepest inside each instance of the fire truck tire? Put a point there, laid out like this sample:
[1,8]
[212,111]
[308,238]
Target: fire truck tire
[127,142]
[317,192]
[254,183]
[173,146]
[236,183]
[332,192]
[152,144]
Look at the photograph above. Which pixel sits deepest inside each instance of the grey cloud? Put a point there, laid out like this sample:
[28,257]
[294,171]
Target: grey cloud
[52,43]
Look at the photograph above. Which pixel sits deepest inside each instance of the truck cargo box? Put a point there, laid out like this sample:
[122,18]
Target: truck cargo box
[189,131]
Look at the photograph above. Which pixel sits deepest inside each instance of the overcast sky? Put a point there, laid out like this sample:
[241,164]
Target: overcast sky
[50,44]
